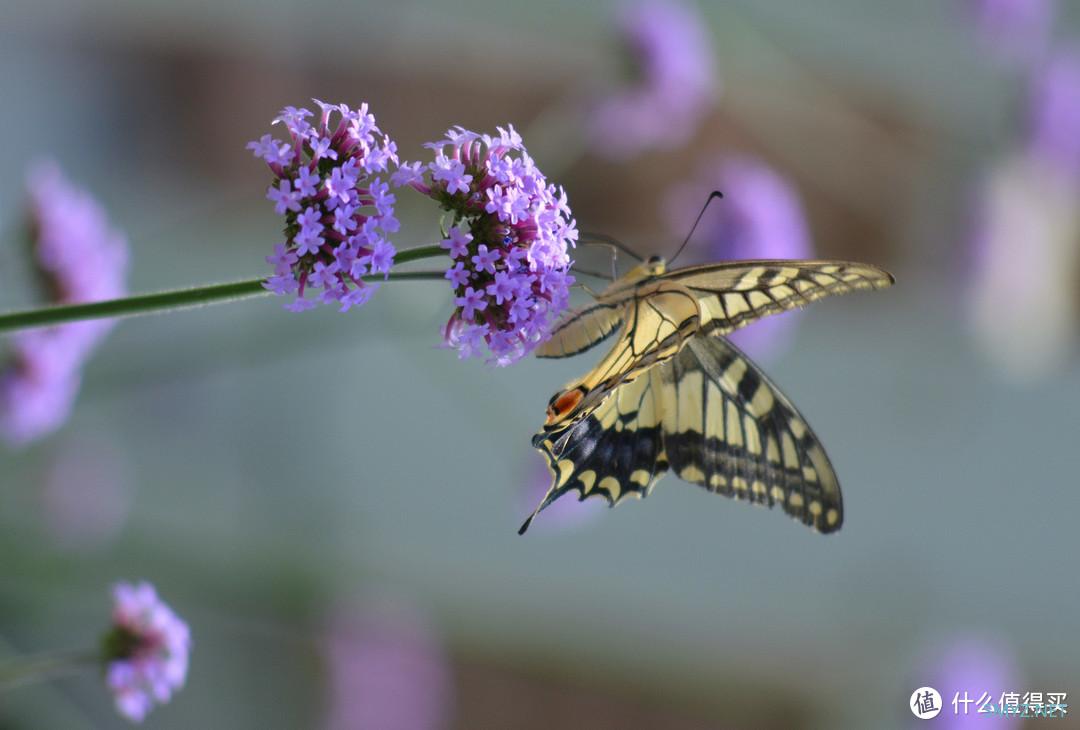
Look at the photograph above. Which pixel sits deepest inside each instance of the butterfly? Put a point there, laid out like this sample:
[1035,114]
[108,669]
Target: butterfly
[674,393]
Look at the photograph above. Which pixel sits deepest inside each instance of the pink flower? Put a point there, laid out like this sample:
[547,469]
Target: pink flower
[79,258]
[146,650]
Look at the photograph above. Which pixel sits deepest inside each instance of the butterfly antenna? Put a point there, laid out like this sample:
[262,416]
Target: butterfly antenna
[599,239]
[712,196]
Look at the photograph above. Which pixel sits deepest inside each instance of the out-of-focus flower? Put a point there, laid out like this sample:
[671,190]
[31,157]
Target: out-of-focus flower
[329,185]
[508,239]
[78,258]
[964,668]
[1024,304]
[1014,30]
[386,670]
[562,513]
[146,650]
[760,217]
[1054,122]
[674,81]
[86,493]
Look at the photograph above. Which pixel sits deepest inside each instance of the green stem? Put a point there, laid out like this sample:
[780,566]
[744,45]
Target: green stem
[186,298]
[41,667]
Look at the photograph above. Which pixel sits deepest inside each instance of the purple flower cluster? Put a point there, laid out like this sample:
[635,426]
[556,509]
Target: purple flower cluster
[760,217]
[508,240]
[78,258]
[146,650]
[338,208]
[674,82]
[1054,126]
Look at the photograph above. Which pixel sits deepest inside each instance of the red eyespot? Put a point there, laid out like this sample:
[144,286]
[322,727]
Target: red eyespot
[563,404]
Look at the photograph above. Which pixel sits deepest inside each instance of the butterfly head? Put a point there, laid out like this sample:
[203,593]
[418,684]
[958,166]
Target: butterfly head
[655,266]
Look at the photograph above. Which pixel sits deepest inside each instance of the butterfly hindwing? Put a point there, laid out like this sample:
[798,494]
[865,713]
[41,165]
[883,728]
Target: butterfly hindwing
[714,417]
[729,429]
[615,452]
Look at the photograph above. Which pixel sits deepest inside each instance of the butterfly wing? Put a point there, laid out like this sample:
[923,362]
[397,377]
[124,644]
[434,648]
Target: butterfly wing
[582,330]
[615,452]
[734,294]
[729,429]
[712,416]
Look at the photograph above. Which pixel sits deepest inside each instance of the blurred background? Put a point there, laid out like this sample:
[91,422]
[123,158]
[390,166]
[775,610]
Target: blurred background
[331,501]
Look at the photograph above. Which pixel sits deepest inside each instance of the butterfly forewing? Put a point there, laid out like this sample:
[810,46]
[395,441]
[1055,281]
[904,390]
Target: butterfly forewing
[732,295]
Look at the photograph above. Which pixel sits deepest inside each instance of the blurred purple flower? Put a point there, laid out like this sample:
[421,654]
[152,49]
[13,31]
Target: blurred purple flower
[673,85]
[1054,124]
[1023,302]
[562,513]
[387,670]
[337,208]
[86,494]
[1014,30]
[760,217]
[509,237]
[78,258]
[971,665]
[146,651]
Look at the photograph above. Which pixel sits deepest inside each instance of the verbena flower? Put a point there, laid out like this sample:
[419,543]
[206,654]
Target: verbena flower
[673,81]
[78,258]
[508,239]
[146,651]
[1054,111]
[329,184]
[760,217]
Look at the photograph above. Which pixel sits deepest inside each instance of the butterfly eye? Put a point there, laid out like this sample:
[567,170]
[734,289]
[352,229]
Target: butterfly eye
[564,403]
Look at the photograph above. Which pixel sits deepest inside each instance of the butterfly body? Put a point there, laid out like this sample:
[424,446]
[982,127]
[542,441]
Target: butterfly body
[673,393]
